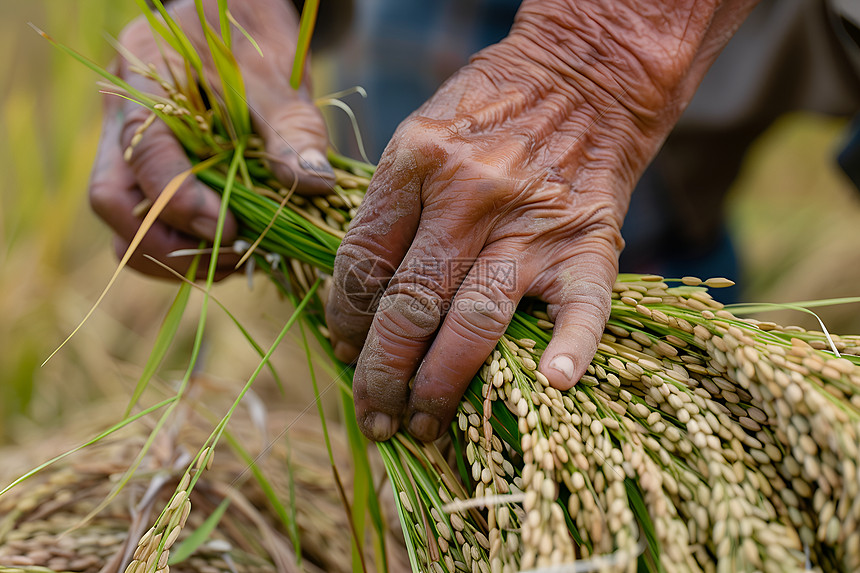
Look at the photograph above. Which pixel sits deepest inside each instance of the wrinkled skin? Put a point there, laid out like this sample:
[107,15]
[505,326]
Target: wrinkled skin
[511,181]
[288,121]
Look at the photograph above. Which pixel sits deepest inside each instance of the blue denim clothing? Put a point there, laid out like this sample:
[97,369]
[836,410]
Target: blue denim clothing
[401,51]
[849,157]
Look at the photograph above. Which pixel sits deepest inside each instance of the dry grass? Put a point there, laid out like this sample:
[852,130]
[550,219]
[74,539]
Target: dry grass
[36,515]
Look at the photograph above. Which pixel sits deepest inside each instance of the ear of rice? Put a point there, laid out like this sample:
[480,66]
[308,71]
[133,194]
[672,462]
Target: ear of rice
[697,440]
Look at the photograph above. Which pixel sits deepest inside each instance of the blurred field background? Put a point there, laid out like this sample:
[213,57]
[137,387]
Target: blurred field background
[795,218]
[56,256]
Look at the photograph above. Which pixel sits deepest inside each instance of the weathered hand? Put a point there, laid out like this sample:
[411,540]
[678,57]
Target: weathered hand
[511,181]
[290,124]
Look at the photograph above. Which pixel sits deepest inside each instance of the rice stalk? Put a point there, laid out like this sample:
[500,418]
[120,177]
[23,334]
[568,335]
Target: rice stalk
[40,519]
[697,440]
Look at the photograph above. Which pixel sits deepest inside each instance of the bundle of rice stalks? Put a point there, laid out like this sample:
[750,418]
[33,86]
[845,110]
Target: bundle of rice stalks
[702,441]
[58,521]
[697,441]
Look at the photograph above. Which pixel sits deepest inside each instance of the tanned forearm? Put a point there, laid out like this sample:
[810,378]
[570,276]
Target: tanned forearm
[636,65]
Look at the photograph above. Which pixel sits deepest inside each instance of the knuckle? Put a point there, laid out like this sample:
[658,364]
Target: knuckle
[359,279]
[589,232]
[299,123]
[494,275]
[411,313]
[135,118]
[303,115]
[482,315]
[605,242]
[104,197]
[601,208]
[417,141]
[603,236]
[603,224]
[429,273]
[358,271]
[347,320]
[415,128]
[592,298]
[381,375]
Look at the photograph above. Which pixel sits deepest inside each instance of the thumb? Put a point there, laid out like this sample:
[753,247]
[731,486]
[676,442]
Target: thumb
[296,141]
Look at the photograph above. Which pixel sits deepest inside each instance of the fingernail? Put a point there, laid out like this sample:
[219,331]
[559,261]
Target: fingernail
[424,426]
[563,364]
[313,160]
[204,227]
[379,426]
[346,352]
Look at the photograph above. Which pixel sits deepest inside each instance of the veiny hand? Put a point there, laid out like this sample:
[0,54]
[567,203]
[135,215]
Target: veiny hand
[512,181]
[290,124]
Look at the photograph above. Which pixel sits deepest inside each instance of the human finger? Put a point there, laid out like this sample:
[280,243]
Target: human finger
[478,317]
[579,305]
[156,157]
[405,324]
[296,141]
[117,200]
[373,248]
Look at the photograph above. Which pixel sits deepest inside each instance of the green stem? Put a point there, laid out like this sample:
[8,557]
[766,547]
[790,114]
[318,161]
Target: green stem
[306,30]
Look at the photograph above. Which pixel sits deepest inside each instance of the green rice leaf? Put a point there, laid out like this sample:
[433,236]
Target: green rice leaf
[287,517]
[306,30]
[233,86]
[640,511]
[224,23]
[292,525]
[245,334]
[297,313]
[457,444]
[179,40]
[118,426]
[146,99]
[394,469]
[244,32]
[741,309]
[158,206]
[166,334]
[801,307]
[154,211]
[362,484]
[158,26]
